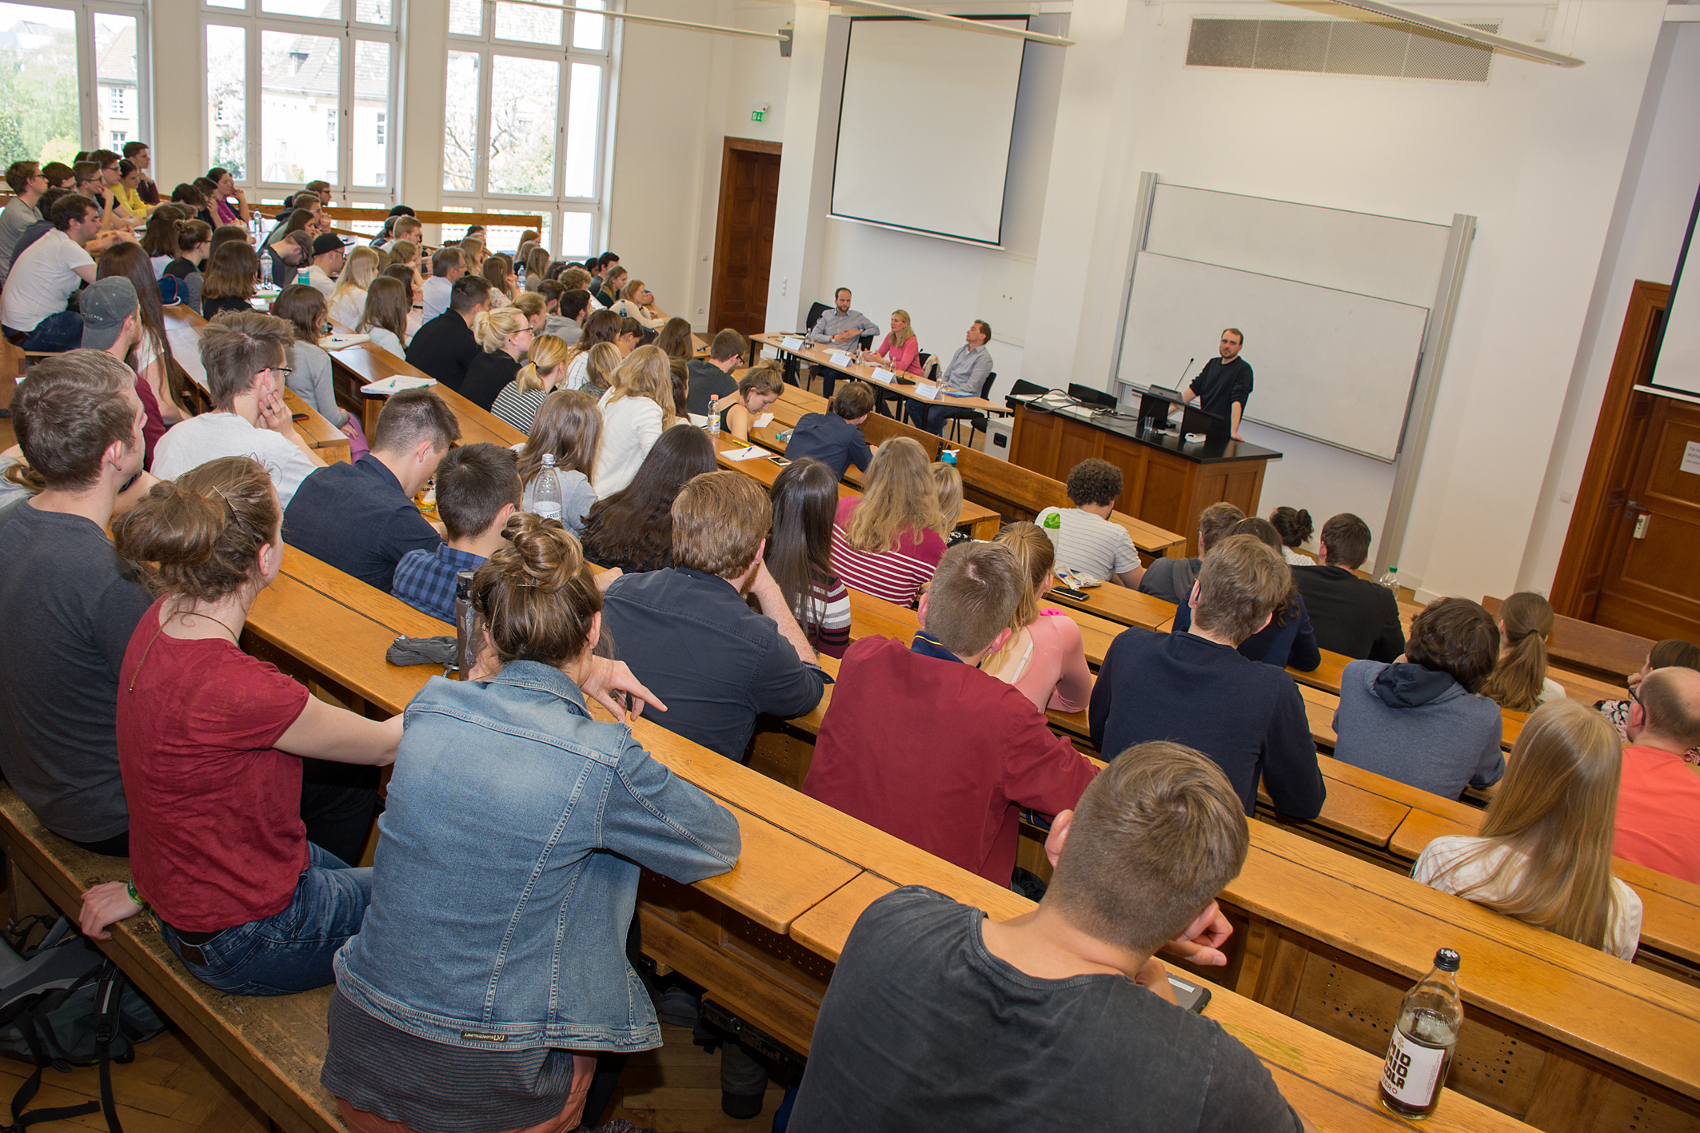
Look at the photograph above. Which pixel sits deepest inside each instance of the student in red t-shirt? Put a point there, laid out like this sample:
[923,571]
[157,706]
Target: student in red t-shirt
[214,783]
[1658,800]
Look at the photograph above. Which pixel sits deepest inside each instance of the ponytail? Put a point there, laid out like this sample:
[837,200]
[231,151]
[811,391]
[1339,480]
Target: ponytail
[1517,680]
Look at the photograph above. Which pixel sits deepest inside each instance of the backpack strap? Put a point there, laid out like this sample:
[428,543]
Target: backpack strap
[26,1092]
[108,1019]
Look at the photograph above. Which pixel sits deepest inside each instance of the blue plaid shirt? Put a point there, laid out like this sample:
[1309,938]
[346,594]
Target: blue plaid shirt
[425,580]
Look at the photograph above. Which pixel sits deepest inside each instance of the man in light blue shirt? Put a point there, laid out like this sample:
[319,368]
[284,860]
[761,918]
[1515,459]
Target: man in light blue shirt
[447,265]
[964,377]
[839,327]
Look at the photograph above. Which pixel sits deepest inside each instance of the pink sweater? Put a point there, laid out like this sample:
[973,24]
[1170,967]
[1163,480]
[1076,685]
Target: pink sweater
[1056,675]
[905,359]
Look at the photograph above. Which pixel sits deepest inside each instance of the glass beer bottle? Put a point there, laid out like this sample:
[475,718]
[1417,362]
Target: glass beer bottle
[1423,1041]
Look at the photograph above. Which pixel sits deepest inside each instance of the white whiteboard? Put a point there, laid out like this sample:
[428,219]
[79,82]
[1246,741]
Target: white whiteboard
[1328,364]
[924,127]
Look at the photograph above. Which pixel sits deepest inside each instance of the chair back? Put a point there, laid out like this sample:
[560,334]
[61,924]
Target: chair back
[816,310]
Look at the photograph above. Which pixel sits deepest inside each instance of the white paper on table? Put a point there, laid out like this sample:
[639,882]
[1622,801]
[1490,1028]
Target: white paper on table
[926,389]
[398,382]
[700,420]
[750,453]
[338,341]
[763,421]
[792,342]
[839,358]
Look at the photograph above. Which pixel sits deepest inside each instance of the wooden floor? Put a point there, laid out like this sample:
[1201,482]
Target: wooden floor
[171,1088]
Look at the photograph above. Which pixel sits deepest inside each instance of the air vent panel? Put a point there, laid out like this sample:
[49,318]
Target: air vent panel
[1341,47]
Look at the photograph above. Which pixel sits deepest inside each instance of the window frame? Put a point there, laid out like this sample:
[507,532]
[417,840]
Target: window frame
[350,32]
[88,63]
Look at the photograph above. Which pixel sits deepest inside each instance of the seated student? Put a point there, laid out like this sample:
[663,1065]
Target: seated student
[329,253]
[112,324]
[1287,642]
[689,635]
[46,273]
[947,482]
[756,392]
[568,428]
[988,753]
[503,337]
[28,184]
[582,808]
[599,327]
[1658,798]
[289,255]
[383,319]
[1044,657]
[1061,1016]
[446,267]
[638,302]
[1172,579]
[59,175]
[1419,720]
[633,529]
[445,346]
[68,601]
[630,337]
[1086,539]
[544,370]
[347,300]
[1294,527]
[360,517]
[193,245]
[573,309]
[712,376]
[309,366]
[214,785]
[799,553]
[1519,681]
[884,541]
[1195,688]
[675,339]
[477,489]
[1351,615]
[635,412]
[836,439]
[1544,854]
[245,357]
[1671,651]
[231,279]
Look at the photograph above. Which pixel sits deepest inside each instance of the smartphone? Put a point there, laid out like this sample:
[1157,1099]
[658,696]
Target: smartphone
[298,417]
[1069,592]
[1189,995]
[779,460]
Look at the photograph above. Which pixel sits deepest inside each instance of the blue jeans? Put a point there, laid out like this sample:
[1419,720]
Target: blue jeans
[289,951]
[932,417]
[57,332]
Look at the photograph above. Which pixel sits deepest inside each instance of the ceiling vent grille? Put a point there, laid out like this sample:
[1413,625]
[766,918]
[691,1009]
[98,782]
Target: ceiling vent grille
[1338,47]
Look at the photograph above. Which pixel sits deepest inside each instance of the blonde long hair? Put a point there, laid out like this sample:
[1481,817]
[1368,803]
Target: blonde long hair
[898,338]
[947,479]
[1517,679]
[547,355]
[1557,806]
[1035,555]
[358,272]
[900,496]
[600,365]
[647,373]
[492,329]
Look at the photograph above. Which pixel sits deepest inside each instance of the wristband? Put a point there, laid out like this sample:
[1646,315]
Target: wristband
[130,888]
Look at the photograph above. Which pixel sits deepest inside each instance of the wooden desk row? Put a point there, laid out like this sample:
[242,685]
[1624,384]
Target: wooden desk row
[874,376]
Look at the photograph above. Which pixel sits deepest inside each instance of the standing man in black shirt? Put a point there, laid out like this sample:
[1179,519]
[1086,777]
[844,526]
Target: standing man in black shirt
[1223,386]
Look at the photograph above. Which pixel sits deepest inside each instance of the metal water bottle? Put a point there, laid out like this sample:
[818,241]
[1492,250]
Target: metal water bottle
[1424,1040]
[463,624]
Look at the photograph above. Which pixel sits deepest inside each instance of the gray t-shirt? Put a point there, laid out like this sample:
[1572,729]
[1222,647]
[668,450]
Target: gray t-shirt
[10,493]
[577,497]
[924,1029]
[70,606]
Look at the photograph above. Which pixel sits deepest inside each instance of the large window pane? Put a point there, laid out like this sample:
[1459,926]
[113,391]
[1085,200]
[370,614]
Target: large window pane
[588,31]
[118,105]
[527,24]
[460,122]
[466,17]
[523,94]
[584,114]
[300,107]
[227,82]
[575,234]
[39,115]
[372,123]
[323,9]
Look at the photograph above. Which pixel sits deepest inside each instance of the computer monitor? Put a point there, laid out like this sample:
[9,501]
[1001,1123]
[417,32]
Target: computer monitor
[1091,398]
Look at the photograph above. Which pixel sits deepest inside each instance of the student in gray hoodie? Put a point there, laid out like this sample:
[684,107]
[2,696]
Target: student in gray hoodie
[1418,719]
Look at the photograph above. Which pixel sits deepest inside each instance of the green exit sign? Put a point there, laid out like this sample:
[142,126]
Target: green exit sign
[758,115]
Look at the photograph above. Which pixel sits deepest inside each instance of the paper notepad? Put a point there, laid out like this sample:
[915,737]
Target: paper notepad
[792,342]
[338,341]
[750,453]
[926,389]
[763,421]
[700,420]
[399,382]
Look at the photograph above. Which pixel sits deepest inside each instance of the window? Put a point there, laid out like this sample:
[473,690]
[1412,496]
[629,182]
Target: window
[48,103]
[525,129]
[116,145]
[325,87]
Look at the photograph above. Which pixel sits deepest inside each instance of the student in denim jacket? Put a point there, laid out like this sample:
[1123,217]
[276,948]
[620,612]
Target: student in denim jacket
[490,968]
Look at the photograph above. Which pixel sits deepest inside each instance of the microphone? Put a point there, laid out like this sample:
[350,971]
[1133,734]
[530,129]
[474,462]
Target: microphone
[1188,367]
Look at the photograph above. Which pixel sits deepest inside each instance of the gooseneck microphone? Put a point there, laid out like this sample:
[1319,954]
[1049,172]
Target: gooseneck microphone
[1187,369]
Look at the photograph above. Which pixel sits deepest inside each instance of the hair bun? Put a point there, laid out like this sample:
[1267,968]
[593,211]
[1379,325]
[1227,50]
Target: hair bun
[545,554]
[180,527]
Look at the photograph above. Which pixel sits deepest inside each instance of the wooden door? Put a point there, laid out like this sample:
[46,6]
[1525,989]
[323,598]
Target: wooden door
[743,239]
[1649,585]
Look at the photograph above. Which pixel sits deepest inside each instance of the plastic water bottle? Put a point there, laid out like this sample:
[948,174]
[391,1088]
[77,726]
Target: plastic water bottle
[301,277]
[713,417]
[947,456]
[1423,1042]
[1390,579]
[546,500]
[519,271]
[265,269]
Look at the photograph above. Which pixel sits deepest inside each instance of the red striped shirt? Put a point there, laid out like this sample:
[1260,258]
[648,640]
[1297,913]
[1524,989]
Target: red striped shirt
[897,576]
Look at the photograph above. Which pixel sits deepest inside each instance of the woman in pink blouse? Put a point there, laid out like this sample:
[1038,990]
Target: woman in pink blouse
[1044,657]
[901,350]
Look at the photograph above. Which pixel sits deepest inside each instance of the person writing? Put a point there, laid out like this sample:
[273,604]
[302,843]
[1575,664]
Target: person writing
[758,389]
[1223,386]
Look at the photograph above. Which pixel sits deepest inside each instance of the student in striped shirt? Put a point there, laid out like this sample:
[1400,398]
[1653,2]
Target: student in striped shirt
[799,553]
[1086,539]
[518,402]
[884,542]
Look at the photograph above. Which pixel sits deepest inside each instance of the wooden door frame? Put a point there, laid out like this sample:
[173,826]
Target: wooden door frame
[728,146]
[1611,457]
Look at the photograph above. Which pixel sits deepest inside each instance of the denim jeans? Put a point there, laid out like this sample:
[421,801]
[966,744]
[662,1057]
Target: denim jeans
[932,417]
[60,331]
[289,951]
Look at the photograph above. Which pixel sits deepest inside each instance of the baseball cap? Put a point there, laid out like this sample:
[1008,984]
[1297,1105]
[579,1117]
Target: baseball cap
[105,304]
[328,242]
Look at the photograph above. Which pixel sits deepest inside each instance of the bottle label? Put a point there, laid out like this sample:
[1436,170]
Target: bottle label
[1412,1072]
[548,510]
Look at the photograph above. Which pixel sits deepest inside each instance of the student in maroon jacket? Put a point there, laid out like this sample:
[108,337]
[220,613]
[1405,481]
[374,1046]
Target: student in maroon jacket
[922,744]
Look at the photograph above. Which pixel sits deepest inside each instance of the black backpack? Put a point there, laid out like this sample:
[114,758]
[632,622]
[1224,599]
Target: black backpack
[63,1004]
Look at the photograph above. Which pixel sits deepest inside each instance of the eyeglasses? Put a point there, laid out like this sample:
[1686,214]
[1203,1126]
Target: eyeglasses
[280,371]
